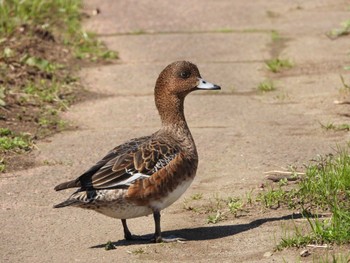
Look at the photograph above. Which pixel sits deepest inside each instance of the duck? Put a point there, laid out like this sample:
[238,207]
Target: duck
[145,175]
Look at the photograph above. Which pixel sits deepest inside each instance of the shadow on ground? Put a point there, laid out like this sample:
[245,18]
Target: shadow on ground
[207,233]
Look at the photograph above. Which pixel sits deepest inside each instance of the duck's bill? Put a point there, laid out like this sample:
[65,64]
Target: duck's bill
[205,85]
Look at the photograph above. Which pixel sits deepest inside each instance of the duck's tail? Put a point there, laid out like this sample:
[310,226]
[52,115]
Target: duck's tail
[66,185]
[68,202]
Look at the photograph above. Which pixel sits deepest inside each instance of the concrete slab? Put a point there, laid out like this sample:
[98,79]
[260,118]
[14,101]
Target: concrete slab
[138,79]
[319,49]
[239,134]
[195,15]
[208,47]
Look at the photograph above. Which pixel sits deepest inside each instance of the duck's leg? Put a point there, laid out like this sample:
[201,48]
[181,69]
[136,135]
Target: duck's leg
[158,234]
[129,236]
[127,233]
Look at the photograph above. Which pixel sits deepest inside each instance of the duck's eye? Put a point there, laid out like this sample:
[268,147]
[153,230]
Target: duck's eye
[185,74]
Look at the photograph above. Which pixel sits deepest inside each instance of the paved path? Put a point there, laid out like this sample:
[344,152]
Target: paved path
[239,133]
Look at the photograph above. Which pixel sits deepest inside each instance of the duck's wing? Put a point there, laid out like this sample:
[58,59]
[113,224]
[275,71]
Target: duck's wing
[134,160]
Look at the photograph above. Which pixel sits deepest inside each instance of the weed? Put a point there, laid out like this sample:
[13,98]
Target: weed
[11,141]
[37,49]
[249,197]
[275,36]
[197,196]
[325,188]
[137,251]
[138,32]
[334,258]
[234,205]
[109,246]
[216,208]
[187,203]
[276,65]
[345,85]
[5,132]
[2,96]
[2,166]
[42,64]
[266,86]
[343,31]
[88,47]
[271,198]
[225,30]
[336,127]
[215,218]
[283,96]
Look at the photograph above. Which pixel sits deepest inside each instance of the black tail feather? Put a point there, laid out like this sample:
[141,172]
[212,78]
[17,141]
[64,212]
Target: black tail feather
[66,203]
[66,185]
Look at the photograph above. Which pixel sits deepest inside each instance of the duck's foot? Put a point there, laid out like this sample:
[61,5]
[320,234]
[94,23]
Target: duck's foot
[157,234]
[128,236]
[168,239]
[137,238]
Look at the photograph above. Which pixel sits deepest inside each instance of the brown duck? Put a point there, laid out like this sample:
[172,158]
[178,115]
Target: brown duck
[147,174]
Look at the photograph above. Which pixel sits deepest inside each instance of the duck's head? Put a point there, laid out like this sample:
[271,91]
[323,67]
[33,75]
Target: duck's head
[173,84]
[180,78]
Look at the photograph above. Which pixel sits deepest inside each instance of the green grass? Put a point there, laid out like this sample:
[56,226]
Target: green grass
[336,127]
[216,208]
[235,205]
[215,218]
[333,258]
[225,30]
[88,47]
[14,13]
[137,251]
[66,19]
[197,196]
[41,42]
[274,198]
[276,64]
[342,31]
[346,86]
[323,197]
[266,86]
[10,141]
[275,36]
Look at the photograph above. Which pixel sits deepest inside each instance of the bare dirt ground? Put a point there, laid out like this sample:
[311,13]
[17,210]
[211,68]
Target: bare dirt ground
[239,133]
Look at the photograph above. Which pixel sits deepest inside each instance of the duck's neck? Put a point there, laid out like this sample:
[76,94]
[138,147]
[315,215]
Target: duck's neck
[171,112]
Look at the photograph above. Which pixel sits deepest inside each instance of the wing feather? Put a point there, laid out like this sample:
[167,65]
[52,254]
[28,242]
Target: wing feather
[135,160]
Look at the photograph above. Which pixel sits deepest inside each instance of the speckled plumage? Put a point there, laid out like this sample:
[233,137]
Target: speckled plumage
[146,174]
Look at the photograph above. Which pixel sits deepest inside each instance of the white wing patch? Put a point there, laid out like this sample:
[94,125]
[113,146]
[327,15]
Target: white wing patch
[132,178]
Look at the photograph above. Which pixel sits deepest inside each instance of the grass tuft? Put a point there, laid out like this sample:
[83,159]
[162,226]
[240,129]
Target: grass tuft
[346,86]
[266,86]
[323,198]
[215,218]
[109,246]
[342,31]
[336,127]
[275,35]
[10,141]
[276,64]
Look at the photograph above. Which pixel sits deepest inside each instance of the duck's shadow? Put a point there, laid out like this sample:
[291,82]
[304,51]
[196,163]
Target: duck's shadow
[207,233]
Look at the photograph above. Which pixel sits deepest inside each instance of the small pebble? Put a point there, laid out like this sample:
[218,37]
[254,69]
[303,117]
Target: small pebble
[305,253]
[268,254]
